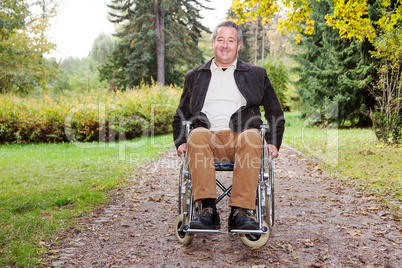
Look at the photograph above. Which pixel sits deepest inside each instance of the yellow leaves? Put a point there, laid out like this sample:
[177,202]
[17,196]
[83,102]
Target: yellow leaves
[386,3]
[295,18]
[350,18]
[250,10]
[298,38]
[98,187]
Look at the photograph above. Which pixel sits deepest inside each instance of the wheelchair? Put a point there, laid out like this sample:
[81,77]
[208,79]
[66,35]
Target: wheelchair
[264,204]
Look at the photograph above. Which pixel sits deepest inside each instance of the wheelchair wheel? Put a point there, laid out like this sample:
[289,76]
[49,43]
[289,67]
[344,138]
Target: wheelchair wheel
[180,185]
[182,237]
[184,191]
[181,196]
[269,205]
[256,241]
[270,198]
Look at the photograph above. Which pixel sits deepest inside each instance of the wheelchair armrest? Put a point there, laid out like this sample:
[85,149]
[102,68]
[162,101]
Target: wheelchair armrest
[224,166]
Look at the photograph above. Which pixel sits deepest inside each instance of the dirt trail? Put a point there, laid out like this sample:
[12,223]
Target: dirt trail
[320,222]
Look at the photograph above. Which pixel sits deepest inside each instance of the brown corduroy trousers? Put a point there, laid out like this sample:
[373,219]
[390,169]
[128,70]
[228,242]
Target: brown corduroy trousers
[243,148]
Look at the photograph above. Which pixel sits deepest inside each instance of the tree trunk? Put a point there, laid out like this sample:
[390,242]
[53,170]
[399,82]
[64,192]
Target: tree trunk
[160,41]
[263,43]
[255,45]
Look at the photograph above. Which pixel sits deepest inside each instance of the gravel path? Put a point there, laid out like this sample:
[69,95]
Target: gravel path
[320,222]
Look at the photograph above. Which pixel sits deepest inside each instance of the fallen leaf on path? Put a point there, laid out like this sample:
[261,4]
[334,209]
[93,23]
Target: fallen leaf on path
[353,233]
[307,242]
[156,200]
[133,234]
[274,248]
[46,215]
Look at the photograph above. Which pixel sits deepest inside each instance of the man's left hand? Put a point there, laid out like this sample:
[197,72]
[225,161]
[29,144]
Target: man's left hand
[273,151]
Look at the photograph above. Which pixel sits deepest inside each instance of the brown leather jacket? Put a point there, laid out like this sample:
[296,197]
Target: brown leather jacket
[256,88]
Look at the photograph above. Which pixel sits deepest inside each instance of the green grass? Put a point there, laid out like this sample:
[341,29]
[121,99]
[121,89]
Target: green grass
[45,187]
[354,154]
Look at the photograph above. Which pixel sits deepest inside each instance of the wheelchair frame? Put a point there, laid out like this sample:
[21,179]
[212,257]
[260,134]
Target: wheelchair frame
[264,213]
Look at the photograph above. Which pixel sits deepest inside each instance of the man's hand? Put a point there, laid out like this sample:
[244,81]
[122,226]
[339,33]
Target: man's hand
[182,149]
[273,151]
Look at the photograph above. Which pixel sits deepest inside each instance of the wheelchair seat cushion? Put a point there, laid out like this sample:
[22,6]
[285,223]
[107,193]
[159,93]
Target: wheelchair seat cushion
[224,166]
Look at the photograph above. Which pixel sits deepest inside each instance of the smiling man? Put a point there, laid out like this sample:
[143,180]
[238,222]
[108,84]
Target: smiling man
[222,98]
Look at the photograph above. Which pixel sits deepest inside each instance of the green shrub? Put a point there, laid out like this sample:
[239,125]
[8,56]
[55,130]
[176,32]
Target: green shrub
[388,129]
[97,116]
[281,79]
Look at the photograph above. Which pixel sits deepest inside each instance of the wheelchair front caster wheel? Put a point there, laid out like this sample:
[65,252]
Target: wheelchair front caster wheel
[184,238]
[253,241]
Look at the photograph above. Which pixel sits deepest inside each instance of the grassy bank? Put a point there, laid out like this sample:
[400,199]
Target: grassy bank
[352,154]
[45,187]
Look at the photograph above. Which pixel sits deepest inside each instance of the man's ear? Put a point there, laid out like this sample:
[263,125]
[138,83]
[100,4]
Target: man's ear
[239,46]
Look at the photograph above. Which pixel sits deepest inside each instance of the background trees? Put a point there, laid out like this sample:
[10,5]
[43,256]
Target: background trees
[140,41]
[364,54]
[23,44]
[335,73]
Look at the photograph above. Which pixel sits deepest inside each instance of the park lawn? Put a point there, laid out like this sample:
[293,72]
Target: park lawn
[352,154]
[45,187]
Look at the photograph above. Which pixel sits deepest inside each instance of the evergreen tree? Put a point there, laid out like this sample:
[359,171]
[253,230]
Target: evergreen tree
[334,72]
[135,58]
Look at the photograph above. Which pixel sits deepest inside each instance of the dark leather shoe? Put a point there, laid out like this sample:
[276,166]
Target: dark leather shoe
[238,220]
[208,219]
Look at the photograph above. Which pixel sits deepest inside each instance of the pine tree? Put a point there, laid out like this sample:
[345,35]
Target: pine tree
[334,73]
[136,55]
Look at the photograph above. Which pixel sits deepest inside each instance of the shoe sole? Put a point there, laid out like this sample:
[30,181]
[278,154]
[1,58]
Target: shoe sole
[245,227]
[204,227]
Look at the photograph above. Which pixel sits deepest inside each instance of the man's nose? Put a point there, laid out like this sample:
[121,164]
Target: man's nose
[225,43]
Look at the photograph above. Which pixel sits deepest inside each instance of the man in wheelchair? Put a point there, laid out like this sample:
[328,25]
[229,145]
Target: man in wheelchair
[222,98]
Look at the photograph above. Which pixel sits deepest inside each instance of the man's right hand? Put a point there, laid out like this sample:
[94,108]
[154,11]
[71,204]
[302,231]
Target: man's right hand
[182,149]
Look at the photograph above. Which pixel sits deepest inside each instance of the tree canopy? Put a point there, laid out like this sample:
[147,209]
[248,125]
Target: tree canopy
[23,43]
[350,17]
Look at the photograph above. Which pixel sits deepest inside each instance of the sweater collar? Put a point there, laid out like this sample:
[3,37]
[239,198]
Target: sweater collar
[241,65]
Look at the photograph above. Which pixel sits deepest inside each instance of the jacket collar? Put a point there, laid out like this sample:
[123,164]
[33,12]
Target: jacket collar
[241,65]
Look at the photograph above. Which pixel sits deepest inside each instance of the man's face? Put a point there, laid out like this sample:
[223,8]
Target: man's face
[225,46]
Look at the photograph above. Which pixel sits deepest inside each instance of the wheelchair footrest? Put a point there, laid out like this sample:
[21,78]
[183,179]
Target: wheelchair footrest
[257,232]
[205,231]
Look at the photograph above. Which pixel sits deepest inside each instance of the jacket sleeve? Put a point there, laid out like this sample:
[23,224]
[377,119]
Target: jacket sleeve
[273,114]
[182,114]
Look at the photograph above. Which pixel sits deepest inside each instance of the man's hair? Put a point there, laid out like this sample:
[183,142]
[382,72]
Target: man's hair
[228,23]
